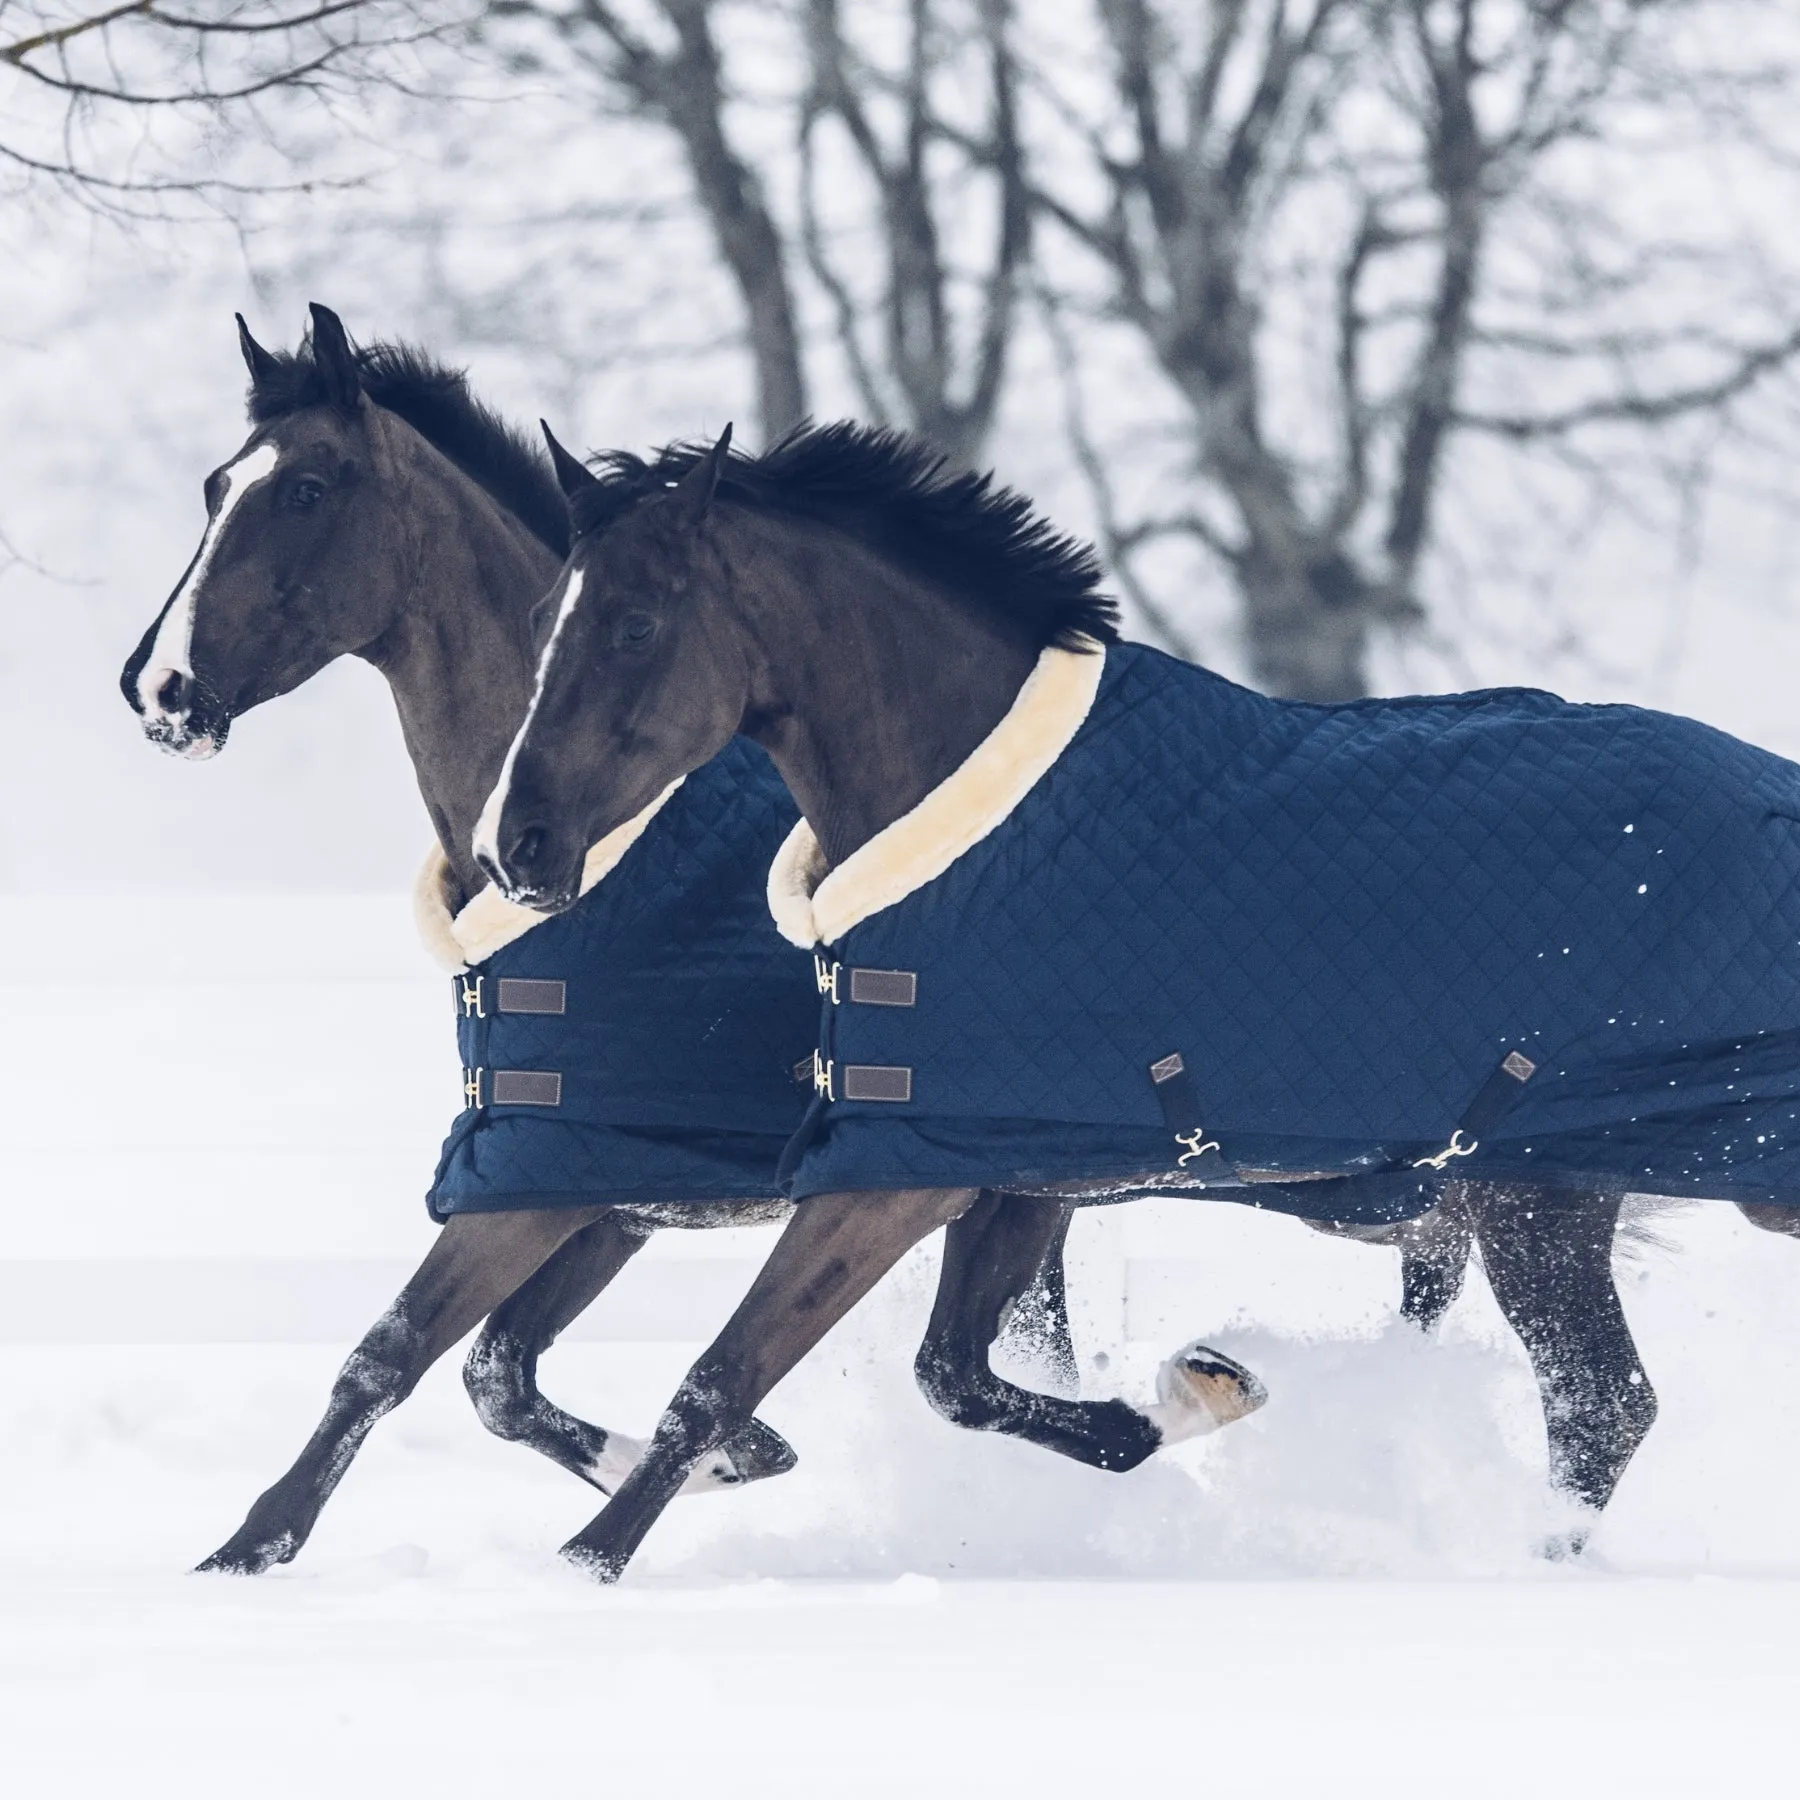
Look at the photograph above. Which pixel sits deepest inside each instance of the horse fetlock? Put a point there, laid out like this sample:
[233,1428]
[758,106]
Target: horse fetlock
[1199,1390]
[617,1457]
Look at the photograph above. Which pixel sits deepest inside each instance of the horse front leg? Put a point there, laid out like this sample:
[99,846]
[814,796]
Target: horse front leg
[477,1261]
[832,1252]
[500,1372]
[991,1255]
[1548,1256]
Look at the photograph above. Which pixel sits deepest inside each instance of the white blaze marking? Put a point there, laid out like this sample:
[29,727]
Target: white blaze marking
[172,652]
[487,828]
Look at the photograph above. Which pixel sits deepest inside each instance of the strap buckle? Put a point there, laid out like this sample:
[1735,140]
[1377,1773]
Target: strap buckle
[1197,1145]
[472,1086]
[471,999]
[1455,1147]
[822,1068]
[825,974]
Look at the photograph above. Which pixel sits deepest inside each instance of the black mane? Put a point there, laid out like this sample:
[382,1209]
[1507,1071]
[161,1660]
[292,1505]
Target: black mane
[895,493]
[435,401]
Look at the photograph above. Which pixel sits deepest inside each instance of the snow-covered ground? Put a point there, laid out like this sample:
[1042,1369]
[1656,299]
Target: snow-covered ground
[1339,1597]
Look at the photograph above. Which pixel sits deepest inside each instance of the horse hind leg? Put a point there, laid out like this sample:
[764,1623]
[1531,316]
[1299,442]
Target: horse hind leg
[1434,1255]
[1036,1326]
[991,1255]
[500,1373]
[1434,1258]
[1548,1257]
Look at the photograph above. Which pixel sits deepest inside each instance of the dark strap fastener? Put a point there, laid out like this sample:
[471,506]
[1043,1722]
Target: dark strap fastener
[524,1087]
[1181,1111]
[868,987]
[877,1081]
[1493,1100]
[884,987]
[520,996]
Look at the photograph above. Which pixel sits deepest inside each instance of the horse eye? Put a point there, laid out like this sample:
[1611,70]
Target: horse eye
[307,491]
[637,629]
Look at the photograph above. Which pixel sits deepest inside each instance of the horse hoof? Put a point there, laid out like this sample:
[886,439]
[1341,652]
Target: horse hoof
[597,1565]
[754,1454]
[1566,1546]
[1200,1389]
[757,1452]
[249,1559]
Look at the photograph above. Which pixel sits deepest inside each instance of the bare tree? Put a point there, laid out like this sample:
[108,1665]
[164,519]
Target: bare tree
[1423,217]
[664,62]
[772,180]
[83,86]
[907,371]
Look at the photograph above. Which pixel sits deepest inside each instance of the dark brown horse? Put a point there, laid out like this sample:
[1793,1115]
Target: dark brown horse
[870,620]
[376,510]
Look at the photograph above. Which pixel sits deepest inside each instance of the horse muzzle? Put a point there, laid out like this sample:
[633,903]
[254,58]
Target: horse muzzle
[526,872]
[181,716]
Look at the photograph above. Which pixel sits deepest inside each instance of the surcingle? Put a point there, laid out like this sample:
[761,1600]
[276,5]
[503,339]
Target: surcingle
[1160,926]
[643,1044]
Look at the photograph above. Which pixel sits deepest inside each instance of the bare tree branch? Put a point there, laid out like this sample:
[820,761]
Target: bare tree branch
[1424,172]
[80,75]
[1750,367]
[683,86]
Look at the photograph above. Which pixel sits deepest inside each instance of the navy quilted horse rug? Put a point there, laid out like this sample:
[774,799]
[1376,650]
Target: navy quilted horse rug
[642,1045]
[1160,926]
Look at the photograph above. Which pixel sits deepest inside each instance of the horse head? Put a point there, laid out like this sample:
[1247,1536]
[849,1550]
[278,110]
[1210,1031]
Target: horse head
[641,675]
[294,568]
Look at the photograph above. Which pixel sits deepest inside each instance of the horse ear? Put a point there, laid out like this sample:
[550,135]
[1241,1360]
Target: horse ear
[334,359]
[256,359]
[572,474]
[694,492]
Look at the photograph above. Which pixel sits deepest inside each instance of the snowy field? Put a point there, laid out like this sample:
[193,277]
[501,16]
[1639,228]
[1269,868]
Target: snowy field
[221,1118]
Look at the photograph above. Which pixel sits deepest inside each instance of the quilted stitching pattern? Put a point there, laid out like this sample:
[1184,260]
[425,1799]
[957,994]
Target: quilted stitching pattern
[1343,917]
[685,1014]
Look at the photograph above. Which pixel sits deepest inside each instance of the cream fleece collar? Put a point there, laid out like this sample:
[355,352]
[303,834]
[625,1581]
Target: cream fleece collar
[460,939]
[813,905]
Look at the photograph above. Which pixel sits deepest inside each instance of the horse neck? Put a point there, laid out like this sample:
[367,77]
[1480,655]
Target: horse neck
[873,684]
[458,656]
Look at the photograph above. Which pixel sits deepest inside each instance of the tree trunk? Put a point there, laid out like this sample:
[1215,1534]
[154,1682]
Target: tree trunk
[692,98]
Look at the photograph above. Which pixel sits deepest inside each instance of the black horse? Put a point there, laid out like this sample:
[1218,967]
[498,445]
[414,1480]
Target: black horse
[870,620]
[377,510]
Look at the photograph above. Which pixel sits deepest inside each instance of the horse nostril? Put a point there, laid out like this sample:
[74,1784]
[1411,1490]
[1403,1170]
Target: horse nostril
[172,696]
[527,849]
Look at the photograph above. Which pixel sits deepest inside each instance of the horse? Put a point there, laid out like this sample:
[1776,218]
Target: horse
[874,621]
[378,510]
